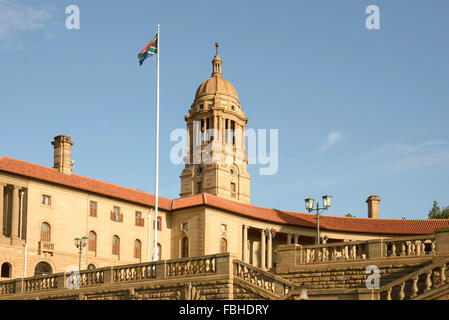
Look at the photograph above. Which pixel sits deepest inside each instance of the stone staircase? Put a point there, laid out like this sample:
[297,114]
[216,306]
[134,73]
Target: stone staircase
[427,283]
[339,269]
[352,274]
[250,282]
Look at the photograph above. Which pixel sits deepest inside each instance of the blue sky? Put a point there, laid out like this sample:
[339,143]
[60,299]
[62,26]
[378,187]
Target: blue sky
[359,111]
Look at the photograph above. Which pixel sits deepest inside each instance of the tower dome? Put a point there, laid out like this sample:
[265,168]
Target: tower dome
[216,84]
[215,160]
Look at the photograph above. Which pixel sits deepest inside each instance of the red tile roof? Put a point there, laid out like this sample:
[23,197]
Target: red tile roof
[80,182]
[327,222]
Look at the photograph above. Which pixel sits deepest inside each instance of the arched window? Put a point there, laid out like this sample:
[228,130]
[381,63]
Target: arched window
[159,251]
[92,241]
[42,268]
[137,249]
[223,245]
[115,245]
[185,247]
[6,270]
[91,266]
[45,232]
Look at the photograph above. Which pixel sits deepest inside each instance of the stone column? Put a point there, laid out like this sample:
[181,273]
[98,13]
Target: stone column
[244,142]
[262,249]
[269,251]
[295,239]
[289,238]
[222,137]
[15,213]
[442,240]
[204,130]
[245,244]
[228,132]
[190,138]
[215,128]
[2,227]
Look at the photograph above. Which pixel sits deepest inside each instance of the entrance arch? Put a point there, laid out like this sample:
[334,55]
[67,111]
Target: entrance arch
[43,268]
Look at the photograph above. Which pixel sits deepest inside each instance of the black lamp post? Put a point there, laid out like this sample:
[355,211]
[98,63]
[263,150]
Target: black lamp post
[309,206]
[80,244]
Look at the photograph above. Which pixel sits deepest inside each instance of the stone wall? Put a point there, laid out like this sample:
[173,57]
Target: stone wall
[350,274]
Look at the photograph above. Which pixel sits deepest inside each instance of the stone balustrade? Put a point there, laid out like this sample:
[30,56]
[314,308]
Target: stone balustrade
[45,246]
[160,270]
[411,246]
[7,287]
[39,283]
[191,266]
[417,283]
[142,271]
[261,279]
[295,254]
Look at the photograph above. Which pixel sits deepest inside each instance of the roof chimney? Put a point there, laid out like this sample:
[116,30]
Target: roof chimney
[62,155]
[373,206]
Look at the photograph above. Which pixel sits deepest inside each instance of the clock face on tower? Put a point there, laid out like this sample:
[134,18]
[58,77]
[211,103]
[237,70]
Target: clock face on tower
[234,171]
[199,170]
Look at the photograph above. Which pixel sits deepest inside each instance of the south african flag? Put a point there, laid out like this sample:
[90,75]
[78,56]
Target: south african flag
[149,50]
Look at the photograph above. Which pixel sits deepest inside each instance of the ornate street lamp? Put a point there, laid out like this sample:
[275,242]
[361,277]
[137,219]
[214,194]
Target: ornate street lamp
[309,206]
[80,244]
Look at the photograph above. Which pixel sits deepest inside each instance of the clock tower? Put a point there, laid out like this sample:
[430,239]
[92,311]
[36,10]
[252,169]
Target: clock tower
[215,160]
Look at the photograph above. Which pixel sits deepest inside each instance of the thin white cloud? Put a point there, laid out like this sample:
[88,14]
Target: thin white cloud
[332,139]
[402,148]
[16,18]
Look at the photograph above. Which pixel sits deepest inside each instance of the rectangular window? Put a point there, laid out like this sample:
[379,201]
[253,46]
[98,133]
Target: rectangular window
[159,224]
[139,219]
[233,188]
[46,200]
[199,187]
[116,215]
[185,226]
[93,209]
[223,228]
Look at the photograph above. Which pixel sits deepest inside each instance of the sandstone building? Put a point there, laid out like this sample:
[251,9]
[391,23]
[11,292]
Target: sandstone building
[43,209]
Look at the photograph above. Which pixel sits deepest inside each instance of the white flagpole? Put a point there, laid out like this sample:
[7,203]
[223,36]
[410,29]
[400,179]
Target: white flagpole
[149,235]
[155,253]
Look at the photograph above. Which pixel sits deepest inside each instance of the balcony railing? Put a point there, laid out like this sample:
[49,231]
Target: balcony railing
[409,246]
[45,246]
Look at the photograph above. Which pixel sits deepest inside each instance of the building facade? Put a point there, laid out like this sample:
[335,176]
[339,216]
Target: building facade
[43,209]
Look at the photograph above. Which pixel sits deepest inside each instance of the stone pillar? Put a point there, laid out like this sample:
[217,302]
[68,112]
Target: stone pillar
[262,249]
[190,138]
[244,142]
[289,238]
[2,226]
[269,251]
[15,213]
[295,239]
[215,128]
[245,244]
[442,240]
[223,137]
[204,130]
[228,132]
